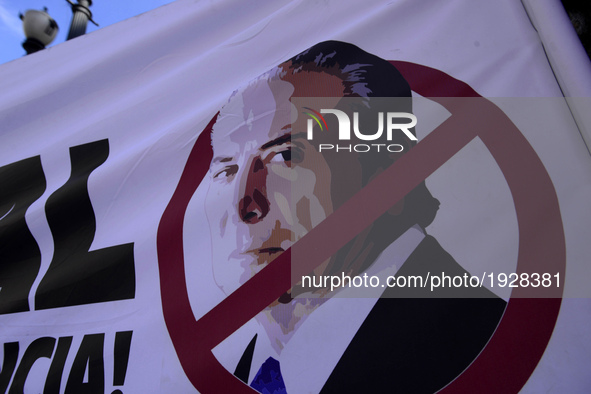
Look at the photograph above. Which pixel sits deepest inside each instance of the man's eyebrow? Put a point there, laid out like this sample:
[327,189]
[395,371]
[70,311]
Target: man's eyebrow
[221,159]
[282,140]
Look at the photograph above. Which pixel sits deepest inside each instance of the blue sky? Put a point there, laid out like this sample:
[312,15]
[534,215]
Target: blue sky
[105,12]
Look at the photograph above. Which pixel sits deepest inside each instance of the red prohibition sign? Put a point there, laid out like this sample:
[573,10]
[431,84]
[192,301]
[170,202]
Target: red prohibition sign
[506,362]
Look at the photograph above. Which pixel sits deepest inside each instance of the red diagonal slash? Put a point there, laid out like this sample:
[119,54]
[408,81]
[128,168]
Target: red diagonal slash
[504,365]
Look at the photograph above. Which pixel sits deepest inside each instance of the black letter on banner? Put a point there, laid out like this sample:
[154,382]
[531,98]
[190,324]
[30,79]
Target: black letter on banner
[91,354]
[42,347]
[21,183]
[77,276]
[121,356]
[10,358]
[56,370]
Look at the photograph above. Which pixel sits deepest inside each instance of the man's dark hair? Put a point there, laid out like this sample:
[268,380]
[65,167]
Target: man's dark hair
[363,74]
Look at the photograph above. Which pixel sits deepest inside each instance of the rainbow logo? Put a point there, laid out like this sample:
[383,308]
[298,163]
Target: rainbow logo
[316,115]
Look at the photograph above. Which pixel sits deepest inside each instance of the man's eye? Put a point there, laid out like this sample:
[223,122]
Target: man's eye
[226,172]
[288,156]
[282,156]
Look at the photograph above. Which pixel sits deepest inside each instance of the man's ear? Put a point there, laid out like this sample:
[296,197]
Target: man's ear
[397,208]
[407,144]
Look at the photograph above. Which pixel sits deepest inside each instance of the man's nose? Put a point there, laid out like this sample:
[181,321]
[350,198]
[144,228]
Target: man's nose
[254,205]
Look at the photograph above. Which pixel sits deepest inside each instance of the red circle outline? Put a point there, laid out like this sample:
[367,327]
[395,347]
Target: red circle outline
[505,363]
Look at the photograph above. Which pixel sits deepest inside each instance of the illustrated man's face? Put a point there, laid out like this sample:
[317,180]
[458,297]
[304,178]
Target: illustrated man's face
[268,185]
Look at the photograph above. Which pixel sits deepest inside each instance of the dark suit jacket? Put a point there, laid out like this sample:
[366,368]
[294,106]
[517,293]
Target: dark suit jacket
[419,344]
[414,340]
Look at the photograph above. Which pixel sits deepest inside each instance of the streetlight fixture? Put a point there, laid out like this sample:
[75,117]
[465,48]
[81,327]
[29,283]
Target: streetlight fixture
[40,30]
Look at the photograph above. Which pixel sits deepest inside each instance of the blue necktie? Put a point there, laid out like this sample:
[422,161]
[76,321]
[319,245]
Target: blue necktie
[268,379]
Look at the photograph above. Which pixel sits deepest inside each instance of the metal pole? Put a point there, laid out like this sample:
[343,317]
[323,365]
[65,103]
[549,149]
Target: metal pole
[80,18]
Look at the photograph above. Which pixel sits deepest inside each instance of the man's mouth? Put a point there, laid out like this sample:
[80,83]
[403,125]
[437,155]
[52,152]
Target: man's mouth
[265,255]
[271,250]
